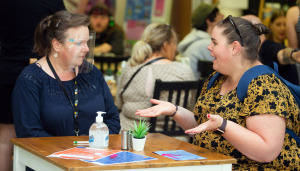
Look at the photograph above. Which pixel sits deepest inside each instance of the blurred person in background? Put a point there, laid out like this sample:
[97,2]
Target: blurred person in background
[293,26]
[18,20]
[109,36]
[194,45]
[277,27]
[271,51]
[158,46]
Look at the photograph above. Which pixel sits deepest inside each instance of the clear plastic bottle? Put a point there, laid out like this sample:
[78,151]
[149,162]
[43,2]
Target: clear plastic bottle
[99,133]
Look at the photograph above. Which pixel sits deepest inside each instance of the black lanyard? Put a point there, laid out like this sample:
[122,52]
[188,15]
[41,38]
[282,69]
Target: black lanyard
[137,71]
[75,106]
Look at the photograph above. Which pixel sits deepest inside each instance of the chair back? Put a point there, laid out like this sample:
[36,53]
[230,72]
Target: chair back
[205,68]
[181,93]
[112,63]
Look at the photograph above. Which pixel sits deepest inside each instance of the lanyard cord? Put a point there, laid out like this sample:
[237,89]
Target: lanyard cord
[75,106]
[137,71]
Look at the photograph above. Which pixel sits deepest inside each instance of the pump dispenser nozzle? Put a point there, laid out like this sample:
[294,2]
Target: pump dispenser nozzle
[99,118]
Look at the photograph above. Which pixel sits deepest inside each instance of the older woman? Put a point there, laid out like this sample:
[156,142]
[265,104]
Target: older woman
[252,131]
[157,46]
[60,94]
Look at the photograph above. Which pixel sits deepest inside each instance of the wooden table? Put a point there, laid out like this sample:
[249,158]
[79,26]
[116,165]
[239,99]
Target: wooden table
[32,152]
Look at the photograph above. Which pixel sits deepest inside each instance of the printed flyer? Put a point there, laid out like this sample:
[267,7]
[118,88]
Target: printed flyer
[179,155]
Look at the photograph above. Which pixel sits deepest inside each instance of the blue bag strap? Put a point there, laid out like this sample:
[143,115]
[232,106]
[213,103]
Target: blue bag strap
[248,76]
[213,80]
[254,72]
[275,67]
[293,135]
[295,89]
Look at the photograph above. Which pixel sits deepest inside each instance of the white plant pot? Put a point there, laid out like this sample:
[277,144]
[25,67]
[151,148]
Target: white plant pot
[138,144]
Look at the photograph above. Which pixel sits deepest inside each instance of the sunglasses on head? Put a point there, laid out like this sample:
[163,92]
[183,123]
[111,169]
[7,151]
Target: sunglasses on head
[234,27]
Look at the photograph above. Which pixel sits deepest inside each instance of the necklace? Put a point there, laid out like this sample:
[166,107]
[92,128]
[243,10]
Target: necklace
[75,105]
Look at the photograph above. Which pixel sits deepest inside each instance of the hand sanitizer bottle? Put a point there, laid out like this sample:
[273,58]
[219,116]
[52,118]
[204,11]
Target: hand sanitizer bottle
[99,134]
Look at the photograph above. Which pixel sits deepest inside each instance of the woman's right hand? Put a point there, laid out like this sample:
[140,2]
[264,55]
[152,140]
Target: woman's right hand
[161,108]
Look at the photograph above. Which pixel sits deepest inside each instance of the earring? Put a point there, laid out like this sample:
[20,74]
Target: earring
[55,55]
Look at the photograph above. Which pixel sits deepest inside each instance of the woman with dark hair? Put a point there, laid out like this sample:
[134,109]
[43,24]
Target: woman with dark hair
[60,94]
[252,130]
[109,36]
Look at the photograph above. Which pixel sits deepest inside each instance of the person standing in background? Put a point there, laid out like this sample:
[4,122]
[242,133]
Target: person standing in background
[18,20]
[194,45]
[293,26]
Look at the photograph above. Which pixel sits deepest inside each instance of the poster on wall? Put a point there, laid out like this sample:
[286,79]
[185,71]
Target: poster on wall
[159,8]
[138,10]
[137,17]
[140,13]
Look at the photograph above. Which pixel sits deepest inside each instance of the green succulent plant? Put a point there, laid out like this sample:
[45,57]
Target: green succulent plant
[140,130]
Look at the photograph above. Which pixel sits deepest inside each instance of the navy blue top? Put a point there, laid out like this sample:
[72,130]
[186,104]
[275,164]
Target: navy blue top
[41,109]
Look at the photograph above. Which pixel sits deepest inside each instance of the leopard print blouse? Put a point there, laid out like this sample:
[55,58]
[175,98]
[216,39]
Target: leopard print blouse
[266,94]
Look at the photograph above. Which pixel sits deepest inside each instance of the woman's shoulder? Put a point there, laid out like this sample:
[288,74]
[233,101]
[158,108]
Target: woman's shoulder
[267,84]
[180,67]
[94,73]
[32,73]
[172,65]
[176,70]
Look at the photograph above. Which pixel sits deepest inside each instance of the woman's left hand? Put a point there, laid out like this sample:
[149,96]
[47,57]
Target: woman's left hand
[214,122]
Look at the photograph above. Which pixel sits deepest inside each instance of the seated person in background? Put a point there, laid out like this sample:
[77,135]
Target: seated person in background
[61,93]
[194,45]
[158,42]
[80,6]
[109,36]
[271,51]
[253,130]
[277,27]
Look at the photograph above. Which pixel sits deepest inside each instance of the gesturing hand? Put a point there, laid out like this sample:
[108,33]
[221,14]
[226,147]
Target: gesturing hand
[214,122]
[161,108]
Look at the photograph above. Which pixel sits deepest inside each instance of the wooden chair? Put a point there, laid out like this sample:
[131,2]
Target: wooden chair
[110,62]
[181,93]
[205,68]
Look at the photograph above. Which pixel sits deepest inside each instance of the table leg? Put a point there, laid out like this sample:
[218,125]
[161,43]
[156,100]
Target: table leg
[17,165]
[24,158]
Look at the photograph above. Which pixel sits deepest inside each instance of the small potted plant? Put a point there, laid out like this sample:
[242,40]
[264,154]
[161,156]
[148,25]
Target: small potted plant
[139,134]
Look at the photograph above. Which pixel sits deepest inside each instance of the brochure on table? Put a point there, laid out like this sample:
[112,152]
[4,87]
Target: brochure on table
[121,157]
[179,155]
[100,156]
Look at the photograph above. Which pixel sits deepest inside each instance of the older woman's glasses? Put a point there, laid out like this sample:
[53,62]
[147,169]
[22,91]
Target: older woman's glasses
[235,28]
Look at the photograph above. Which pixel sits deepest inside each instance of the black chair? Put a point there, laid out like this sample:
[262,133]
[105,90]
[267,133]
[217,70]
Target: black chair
[205,68]
[181,93]
[111,62]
